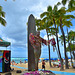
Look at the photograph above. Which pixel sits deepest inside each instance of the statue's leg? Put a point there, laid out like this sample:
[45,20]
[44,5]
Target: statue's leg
[37,56]
[36,64]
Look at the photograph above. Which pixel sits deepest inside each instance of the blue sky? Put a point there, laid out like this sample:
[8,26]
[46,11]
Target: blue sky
[17,13]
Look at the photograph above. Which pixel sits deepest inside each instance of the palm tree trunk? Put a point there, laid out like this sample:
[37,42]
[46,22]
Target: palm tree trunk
[49,49]
[73,49]
[70,54]
[66,58]
[69,46]
[58,46]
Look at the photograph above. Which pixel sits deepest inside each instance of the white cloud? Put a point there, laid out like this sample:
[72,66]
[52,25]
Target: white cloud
[41,6]
[26,45]
[50,37]
[8,39]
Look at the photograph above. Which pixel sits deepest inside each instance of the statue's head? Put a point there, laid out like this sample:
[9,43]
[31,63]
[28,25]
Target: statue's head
[38,33]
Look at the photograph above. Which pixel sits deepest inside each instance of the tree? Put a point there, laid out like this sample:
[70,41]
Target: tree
[70,47]
[60,18]
[67,41]
[52,15]
[64,20]
[2,16]
[72,38]
[71,7]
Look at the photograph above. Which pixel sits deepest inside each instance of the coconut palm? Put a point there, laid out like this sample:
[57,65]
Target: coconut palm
[67,41]
[72,36]
[2,16]
[69,45]
[64,22]
[52,14]
[71,7]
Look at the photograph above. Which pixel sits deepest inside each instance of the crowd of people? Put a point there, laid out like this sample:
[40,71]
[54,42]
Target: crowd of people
[14,63]
[54,63]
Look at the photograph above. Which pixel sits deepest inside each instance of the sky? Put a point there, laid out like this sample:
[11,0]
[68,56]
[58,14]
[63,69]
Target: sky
[15,31]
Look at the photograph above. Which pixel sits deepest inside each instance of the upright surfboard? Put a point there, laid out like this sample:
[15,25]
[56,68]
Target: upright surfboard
[31,56]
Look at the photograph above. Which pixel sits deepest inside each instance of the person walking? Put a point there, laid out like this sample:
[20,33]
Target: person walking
[43,64]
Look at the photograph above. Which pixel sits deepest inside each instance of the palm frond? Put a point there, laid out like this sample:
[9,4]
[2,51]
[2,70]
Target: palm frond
[2,21]
[67,23]
[69,16]
[49,8]
[58,4]
[0,8]
[2,14]
[71,9]
[70,5]
[43,14]
[64,2]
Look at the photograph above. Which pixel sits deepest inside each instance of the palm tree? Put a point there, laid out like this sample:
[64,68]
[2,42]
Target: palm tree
[64,20]
[71,7]
[2,16]
[72,36]
[52,14]
[69,45]
[50,31]
[67,41]
[61,21]
[62,31]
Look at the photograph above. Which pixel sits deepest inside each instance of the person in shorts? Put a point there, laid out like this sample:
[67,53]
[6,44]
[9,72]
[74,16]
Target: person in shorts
[43,64]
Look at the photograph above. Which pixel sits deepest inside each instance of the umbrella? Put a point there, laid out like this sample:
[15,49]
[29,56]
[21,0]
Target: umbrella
[54,58]
[26,59]
[51,58]
[69,57]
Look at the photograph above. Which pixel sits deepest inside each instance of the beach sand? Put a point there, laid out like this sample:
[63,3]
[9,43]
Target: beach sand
[40,67]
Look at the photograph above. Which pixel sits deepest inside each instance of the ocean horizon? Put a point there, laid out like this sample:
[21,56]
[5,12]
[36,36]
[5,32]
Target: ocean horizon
[22,59]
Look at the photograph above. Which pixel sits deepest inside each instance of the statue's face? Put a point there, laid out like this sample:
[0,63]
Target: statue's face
[38,33]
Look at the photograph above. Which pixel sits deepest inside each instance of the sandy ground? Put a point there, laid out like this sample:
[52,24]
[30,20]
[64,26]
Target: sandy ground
[40,67]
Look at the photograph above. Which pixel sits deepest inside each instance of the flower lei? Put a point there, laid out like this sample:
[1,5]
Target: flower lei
[36,41]
[39,73]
